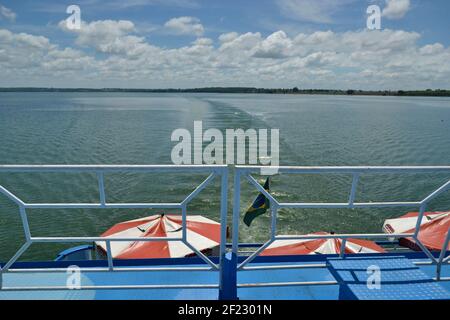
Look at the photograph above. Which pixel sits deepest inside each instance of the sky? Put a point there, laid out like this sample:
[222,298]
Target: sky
[201,43]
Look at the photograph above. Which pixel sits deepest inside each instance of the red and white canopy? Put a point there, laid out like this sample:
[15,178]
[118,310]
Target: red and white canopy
[433,229]
[320,246]
[202,233]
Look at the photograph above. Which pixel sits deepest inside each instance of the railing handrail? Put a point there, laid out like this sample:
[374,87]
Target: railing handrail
[107,168]
[344,169]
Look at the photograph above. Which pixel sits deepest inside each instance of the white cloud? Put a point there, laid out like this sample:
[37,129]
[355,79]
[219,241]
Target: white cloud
[227,37]
[185,26]
[317,11]
[431,49]
[203,42]
[7,14]
[120,4]
[110,36]
[396,9]
[387,59]
[276,46]
[24,57]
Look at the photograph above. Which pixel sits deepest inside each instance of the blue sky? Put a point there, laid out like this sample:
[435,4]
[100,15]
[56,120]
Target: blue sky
[268,35]
[429,17]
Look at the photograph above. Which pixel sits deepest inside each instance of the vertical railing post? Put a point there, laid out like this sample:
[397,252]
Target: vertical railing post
[416,233]
[184,222]
[351,199]
[223,230]
[109,254]
[228,270]
[101,188]
[26,245]
[273,223]
[419,219]
[228,288]
[236,209]
[442,256]
[25,225]
[343,245]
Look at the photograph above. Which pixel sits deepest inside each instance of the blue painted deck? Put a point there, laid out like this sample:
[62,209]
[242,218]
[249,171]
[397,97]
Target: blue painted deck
[308,292]
[398,279]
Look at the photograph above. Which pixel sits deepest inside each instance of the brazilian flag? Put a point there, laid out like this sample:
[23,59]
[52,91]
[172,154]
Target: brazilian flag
[259,206]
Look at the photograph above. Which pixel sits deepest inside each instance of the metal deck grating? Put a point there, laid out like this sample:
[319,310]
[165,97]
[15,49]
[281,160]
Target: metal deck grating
[400,279]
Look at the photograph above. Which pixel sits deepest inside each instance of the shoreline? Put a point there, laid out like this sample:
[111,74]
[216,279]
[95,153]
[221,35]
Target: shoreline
[245,90]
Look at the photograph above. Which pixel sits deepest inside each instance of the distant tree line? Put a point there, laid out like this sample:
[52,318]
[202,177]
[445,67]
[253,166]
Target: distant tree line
[248,90]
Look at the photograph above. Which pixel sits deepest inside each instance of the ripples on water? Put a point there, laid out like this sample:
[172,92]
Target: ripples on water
[68,128]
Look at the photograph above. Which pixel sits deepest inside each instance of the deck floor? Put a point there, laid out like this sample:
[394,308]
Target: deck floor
[309,292]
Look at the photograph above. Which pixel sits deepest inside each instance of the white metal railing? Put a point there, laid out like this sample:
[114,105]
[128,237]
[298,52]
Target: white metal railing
[222,172]
[355,172]
[100,171]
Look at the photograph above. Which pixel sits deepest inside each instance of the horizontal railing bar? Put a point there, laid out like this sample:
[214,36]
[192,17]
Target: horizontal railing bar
[286,284]
[206,168]
[246,245]
[109,168]
[292,266]
[188,269]
[347,169]
[100,239]
[442,279]
[397,248]
[257,245]
[124,287]
[345,236]
[102,206]
[106,269]
[420,263]
[348,205]
[304,266]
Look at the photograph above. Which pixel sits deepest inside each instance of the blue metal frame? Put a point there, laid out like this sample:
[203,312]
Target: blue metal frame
[228,277]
